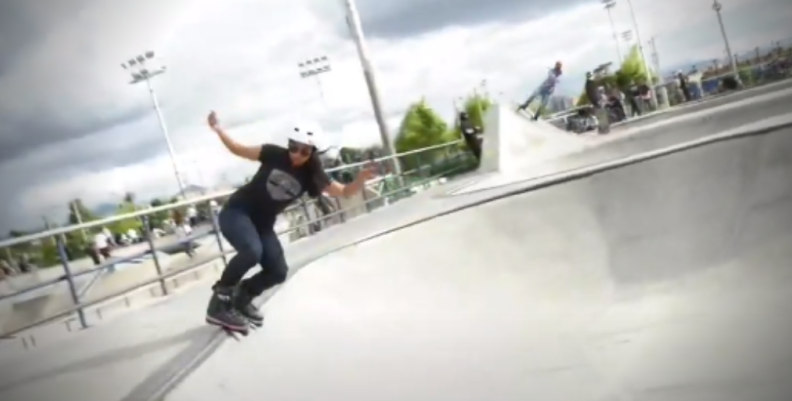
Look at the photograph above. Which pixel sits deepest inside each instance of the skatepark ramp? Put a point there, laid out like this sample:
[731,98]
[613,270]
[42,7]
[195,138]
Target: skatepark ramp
[656,274]
[660,277]
[513,141]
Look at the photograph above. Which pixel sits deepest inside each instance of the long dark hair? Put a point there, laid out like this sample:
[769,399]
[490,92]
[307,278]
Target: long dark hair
[315,161]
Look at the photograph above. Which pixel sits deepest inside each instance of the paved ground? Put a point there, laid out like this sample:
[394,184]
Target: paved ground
[712,102]
[660,131]
[665,280]
[573,288]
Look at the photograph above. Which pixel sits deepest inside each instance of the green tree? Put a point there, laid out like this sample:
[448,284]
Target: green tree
[421,127]
[76,241]
[747,77]
[476,106]
[632,68]
[350,155]
[127,206]
[158,219]
[78,212]
[631,72]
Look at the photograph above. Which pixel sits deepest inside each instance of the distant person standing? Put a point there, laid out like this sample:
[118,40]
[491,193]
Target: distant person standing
[682,81]
[109,236]
[592,94]
[183,231]
[470,134]
[192,215]
[545,90]
[102,244]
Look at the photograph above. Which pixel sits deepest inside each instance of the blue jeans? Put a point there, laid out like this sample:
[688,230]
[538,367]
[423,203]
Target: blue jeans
[544,98]
[253,246]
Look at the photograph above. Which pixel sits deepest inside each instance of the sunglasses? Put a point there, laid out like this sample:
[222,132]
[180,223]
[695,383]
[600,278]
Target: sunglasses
[300,148]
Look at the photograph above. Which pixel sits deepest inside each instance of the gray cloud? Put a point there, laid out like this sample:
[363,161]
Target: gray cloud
[415,17]
[18,137]
[119,128]
[23,25]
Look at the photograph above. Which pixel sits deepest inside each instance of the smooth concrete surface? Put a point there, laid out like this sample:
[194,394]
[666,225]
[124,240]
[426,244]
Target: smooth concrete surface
[661,131]
[740,97]
[32,306]
[512,141]
[665,280]
[133,356]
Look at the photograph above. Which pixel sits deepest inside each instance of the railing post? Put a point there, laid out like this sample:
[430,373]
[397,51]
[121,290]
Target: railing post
[61,245]
[153,250]
[309,222]
[366,203]
[218,236]
[338,208]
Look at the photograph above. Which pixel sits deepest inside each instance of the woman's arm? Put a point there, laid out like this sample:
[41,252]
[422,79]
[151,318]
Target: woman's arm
[338,189]
[252,153]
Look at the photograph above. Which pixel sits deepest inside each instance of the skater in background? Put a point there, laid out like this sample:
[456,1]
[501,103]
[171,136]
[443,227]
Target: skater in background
[470,134]
[544,91]
[682,82]
[247,220]
[592,93]
[183,231]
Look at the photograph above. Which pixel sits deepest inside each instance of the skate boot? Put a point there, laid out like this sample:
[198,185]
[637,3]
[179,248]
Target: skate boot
[243,303]
[221,311]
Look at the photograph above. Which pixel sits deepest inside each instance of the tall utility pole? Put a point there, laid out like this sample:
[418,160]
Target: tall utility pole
[356,30]
[313,68]
[137,67]
[717,7]
[78,217]
[643,54]
[655,54]
[609,5]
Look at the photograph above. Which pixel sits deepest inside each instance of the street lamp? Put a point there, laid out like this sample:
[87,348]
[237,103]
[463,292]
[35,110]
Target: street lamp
[609,5]
[137,68]
[717,7]
[627,36]
[643,55]
[655,57]
[313,68]
[356,30]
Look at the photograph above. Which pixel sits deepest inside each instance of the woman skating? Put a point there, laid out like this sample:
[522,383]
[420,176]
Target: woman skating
[247,220]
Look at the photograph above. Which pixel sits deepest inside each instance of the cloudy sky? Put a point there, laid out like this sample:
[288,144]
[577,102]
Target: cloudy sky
[72,126]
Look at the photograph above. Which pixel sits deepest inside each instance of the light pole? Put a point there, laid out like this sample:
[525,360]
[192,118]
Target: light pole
[356,30]
[643,55]
[137,68]
[74,205]
[609,5]
[655,57]
[313,68]
[717,7]
[627,36]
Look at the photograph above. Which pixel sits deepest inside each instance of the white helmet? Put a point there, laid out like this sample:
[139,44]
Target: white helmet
[306,132]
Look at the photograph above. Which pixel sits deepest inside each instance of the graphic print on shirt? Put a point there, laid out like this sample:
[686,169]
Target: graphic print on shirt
[282,186]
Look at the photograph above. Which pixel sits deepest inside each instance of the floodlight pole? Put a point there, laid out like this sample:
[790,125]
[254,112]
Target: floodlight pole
[137,69]
[651,84]
[717,7]
[313,68]
[609,5]
[356,30]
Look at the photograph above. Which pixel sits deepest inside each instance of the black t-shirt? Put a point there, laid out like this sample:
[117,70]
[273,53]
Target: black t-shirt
[277,184]
[467,128]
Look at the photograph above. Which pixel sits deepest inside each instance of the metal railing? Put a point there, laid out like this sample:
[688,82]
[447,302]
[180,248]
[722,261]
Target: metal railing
[419,168]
